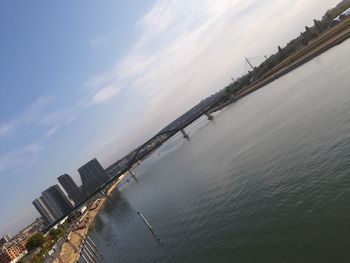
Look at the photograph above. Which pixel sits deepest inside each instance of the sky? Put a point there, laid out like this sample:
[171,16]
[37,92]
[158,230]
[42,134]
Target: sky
[85,79]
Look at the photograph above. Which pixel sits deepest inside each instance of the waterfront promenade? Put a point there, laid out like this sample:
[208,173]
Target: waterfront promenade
[70,250]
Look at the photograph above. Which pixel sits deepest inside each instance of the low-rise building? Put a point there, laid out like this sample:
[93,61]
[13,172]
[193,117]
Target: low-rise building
[4,240]
[13,251]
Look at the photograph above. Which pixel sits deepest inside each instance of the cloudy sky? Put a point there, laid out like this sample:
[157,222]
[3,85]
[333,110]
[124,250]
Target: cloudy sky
[85,78]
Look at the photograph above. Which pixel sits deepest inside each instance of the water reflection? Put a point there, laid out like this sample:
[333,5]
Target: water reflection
[267,182]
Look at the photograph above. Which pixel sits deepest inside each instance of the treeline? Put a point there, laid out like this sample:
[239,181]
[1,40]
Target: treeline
[302,40]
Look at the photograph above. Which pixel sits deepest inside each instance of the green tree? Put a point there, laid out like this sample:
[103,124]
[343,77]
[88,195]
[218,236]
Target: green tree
[318,26]
[35,241]
[56,233]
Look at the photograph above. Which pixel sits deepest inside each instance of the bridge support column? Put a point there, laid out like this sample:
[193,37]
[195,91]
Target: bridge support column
[185,134]
[210,117]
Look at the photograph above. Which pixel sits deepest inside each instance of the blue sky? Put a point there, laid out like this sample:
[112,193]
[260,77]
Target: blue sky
[85,78]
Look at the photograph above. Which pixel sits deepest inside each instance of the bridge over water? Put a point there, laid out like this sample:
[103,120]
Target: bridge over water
[179,125]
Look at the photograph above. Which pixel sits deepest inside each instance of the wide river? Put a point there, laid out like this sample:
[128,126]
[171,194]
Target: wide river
[268,180]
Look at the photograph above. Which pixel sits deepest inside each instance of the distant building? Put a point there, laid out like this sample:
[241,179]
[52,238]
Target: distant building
[58,200]
[13,251]
[30,230]
[339,18]
[46,213]
[73,191]
[52,204]
[92,176]
[4,240]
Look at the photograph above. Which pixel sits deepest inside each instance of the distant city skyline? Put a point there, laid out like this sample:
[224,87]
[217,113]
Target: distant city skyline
[81,80]
[54,204]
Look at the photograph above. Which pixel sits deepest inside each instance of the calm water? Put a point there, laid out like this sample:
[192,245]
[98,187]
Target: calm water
[267,181]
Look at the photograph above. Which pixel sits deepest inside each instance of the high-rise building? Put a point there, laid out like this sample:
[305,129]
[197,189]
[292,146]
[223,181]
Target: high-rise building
[92,176]
[44,210]
[71,188]
[57,200]
[52,204]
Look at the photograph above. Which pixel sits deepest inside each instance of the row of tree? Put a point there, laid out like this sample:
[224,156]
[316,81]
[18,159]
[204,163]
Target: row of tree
[302,40]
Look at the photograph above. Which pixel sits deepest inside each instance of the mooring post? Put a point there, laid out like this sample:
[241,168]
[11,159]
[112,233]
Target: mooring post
[132,173]
[149,227]
[210,117]
[185,134]
[133,176]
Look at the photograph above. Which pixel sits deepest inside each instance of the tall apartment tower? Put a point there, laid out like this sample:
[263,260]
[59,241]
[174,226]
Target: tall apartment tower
[92,176]
[71,188]
[44,211]
[52,204]
[57,200]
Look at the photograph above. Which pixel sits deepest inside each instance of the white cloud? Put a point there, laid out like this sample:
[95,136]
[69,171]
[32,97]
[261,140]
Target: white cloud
[51,131]
[20,159]
[31,114]
[190,49]
[34,112]
[100,40]
[7,127]
[104,94]
[186,51]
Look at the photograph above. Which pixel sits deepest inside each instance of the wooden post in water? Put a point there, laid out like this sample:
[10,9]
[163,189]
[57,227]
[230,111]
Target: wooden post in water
[210,117]
[149,227]
[133,175]
[184,134]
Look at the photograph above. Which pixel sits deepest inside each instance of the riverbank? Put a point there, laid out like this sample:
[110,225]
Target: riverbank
[70,251]
[324,42]
[256,185]
[71,248]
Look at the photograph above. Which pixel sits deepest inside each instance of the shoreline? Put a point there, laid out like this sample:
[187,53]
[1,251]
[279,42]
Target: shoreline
[326,41]
[70,250]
